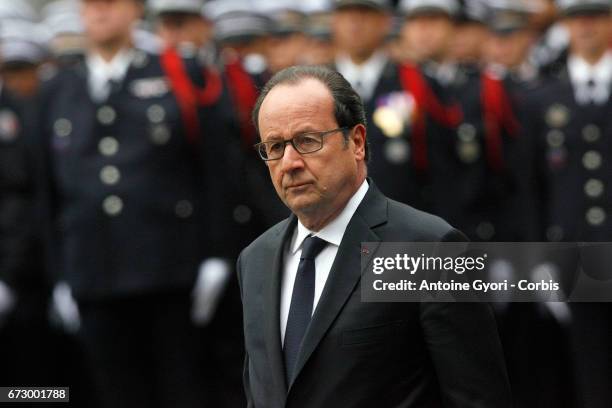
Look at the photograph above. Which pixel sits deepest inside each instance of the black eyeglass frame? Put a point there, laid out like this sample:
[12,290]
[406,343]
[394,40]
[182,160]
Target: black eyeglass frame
[319,135]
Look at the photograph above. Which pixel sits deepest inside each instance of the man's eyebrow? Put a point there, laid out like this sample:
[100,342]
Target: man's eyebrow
[273,138]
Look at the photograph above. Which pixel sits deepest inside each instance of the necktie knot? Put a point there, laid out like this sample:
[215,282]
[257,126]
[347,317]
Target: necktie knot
[312,247]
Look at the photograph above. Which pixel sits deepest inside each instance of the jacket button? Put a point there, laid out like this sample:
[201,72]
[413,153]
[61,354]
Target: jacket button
[110,175]
[160,134]
[592,160]
[485,231]
[156,114]
[106,115]
[591,133]
[595,216]
[112,205]
[183,209]
[554,233]
[108,146]
[62,127]
[594,188]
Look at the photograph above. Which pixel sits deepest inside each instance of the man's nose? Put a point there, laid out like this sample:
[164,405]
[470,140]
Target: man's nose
[291,159]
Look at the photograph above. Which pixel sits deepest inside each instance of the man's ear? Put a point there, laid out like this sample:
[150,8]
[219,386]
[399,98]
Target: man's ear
[358,136]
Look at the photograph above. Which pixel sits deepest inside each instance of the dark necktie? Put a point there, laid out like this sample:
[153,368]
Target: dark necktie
[300,311]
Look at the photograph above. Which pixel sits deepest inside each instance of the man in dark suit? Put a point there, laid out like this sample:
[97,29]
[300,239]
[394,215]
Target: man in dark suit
[310,341]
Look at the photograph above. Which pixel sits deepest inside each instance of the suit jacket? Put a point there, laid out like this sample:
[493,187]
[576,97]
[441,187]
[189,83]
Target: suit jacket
[368,354]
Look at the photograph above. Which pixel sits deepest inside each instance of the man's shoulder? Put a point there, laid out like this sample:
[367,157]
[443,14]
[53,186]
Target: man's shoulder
[406,223]
[270,236]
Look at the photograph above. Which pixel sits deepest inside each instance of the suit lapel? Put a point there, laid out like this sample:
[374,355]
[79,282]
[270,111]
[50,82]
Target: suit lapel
[345,272]
[272,305]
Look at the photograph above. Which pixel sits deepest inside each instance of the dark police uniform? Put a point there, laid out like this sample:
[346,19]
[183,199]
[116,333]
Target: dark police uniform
[573,147]
[490,155]
[405,162]
[135,204]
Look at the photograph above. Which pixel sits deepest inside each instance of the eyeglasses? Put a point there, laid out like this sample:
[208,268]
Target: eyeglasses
[304,143]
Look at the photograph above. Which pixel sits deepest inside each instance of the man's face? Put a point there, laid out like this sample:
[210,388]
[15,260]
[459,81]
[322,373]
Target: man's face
[466,44]
[106,21]
[589,34]
[428,36]
[319,182]
[509,50]
[283,52]
[184,28]
[359,30]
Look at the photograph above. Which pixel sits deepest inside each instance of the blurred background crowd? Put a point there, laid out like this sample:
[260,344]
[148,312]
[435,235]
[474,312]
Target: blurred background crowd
[129,183]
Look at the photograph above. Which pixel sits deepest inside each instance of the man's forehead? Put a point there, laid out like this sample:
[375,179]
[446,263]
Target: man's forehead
[306,95]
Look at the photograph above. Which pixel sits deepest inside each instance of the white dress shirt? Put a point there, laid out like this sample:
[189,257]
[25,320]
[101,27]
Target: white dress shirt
[101,72]
[332,234]
[364,77]
[600,74]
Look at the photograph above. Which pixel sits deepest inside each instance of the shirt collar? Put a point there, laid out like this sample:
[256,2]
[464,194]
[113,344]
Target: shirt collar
[581,71]
[114,69]
[334,231]
[367,73]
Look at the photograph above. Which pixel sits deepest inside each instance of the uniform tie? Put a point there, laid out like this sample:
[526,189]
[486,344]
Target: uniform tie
[300,311]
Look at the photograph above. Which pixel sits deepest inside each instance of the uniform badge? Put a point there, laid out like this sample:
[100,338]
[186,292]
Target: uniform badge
[394,113]
[557,116]
[9,125]
[149,87]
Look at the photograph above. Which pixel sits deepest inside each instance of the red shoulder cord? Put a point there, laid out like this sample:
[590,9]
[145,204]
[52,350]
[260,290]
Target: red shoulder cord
[244,93]
[189,97]
[427,104]
[497,115]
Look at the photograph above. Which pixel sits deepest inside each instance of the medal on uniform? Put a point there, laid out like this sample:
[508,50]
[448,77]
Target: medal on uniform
[149,88]
[394,113]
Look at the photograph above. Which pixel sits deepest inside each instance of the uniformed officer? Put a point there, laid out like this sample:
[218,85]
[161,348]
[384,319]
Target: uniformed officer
[183,26]
[319,49]
[492,200]
[242,35]
[570,122]
[470,33]
[23,51]
[134,164]
[428,32]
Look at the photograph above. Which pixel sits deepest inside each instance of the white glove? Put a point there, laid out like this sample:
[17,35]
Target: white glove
[64,308]
[7,302]
[213,276]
